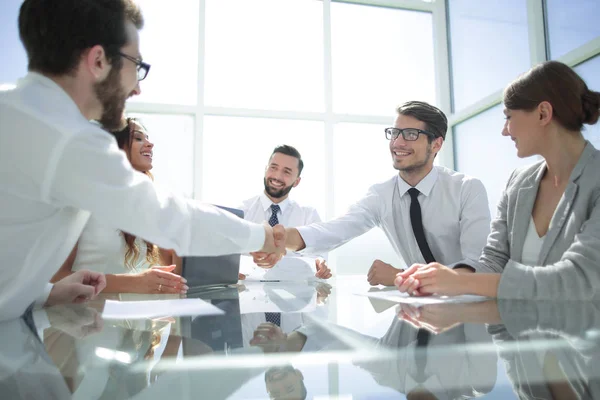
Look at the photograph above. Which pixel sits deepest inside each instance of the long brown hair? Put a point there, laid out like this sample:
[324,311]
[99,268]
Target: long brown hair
[124,139]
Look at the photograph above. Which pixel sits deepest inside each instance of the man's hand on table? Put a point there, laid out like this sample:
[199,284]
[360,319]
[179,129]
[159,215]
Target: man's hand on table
[76,288]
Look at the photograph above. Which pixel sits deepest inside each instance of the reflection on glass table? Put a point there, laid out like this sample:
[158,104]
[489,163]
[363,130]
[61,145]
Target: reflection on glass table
[546,350]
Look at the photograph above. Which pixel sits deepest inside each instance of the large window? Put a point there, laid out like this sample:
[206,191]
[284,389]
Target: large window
[491,44]
[481,151]
[571,24]
[231,79]
[169,42]
[489,47]
[265,54]
[381,58]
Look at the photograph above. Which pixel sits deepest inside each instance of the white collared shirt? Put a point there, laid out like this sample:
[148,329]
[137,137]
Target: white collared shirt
[56,168]
[291,214]
[455,216]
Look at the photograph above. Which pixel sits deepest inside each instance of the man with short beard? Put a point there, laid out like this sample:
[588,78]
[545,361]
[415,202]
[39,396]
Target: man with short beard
[427,213]
[56,167]
[282,174]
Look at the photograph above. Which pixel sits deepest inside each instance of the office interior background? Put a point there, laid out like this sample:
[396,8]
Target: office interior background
[231,79]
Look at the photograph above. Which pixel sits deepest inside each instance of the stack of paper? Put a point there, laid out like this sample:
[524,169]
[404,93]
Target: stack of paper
[157,308]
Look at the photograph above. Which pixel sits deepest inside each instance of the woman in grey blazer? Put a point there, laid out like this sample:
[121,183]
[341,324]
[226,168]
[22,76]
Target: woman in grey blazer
[545,239]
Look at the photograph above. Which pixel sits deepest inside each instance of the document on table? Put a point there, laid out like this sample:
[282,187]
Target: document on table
[395,296]
[157,308]
[289,269]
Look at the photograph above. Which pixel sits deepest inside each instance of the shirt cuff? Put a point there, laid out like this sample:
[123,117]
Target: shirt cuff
[256,241]
[41,322]
[41,301]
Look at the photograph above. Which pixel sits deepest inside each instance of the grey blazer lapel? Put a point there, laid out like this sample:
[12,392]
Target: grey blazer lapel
[563,209]
[522,216]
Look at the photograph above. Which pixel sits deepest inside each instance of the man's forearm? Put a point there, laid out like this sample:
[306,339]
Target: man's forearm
[293,240]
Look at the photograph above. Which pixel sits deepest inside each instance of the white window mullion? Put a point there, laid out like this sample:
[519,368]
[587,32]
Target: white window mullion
[441,53]
[537,32]
[329,117]
[200,106]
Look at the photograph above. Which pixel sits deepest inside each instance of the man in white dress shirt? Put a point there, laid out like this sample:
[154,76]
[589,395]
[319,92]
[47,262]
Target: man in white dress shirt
[282,174]
[451,208]
[56,167]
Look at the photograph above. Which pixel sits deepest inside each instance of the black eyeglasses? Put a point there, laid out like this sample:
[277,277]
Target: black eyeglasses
[142,67]
[409,134]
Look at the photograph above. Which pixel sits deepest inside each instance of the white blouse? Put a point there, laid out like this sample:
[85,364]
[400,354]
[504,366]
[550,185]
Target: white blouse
[103,249]
[532,245]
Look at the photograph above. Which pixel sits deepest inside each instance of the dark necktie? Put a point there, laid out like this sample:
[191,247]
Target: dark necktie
[417,225]
[274,210]
[274,317]
[416,221]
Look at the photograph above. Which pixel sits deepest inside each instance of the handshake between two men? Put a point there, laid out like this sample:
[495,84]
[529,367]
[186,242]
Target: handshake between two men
[277,239]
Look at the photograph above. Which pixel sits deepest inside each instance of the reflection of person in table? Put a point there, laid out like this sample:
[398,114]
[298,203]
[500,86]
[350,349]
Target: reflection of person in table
[451,366]
[285,382]
[138,341]
[26,369]
[293,303]
[567,366]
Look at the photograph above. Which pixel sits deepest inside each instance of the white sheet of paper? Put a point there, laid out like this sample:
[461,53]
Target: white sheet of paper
[157,308]
[396,296]
[290,269]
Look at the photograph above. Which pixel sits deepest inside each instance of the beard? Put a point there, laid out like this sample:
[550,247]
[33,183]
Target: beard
[277,193]
[417,165]
[111,96]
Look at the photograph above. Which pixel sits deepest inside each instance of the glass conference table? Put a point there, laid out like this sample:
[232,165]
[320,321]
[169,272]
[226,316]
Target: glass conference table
[323,342]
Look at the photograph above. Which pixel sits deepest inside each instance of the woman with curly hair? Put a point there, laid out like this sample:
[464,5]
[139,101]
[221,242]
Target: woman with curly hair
[131,264]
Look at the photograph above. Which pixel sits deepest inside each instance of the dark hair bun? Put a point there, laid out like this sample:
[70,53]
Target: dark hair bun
[590,102]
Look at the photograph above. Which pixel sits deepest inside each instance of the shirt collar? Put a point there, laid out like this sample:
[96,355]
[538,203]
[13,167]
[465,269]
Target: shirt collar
[266,203]
[45,81]
[424,186]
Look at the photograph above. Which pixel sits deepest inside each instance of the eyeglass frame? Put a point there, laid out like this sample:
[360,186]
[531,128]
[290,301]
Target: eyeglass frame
[140,65]
[401,132]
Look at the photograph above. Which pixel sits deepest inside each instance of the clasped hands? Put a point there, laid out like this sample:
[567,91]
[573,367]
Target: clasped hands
[428,279]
